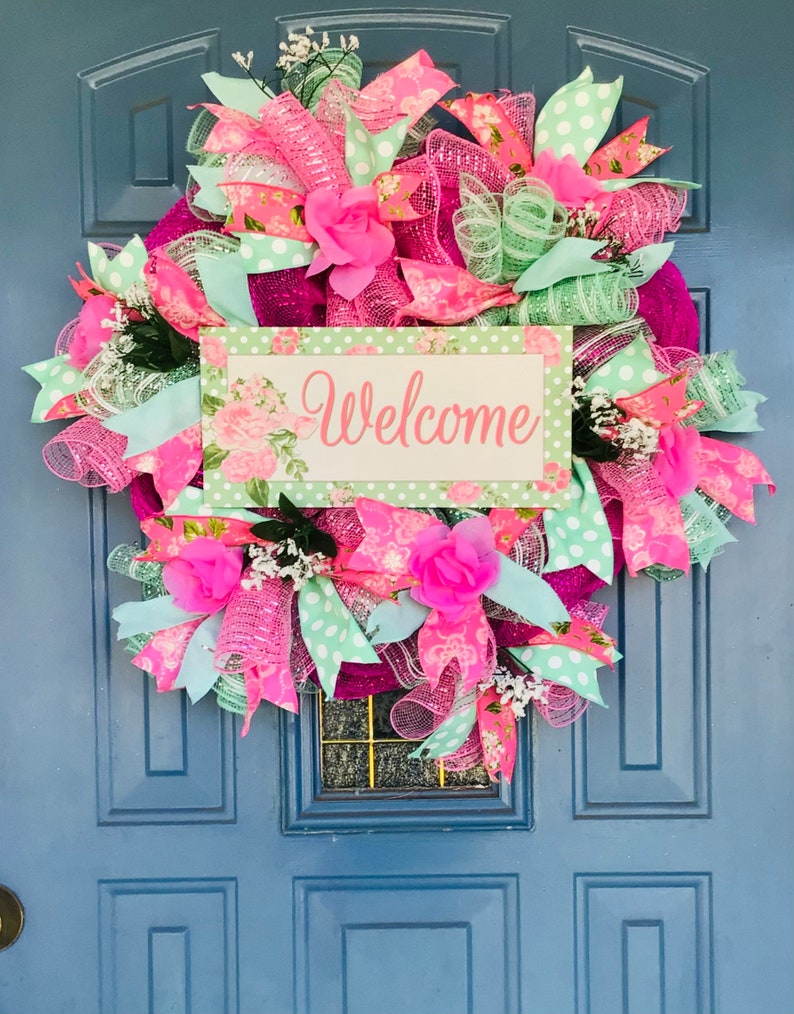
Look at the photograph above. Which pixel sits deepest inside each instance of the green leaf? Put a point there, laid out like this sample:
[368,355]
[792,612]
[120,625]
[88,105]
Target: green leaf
[322,542]
[269,529]
[217,527]
[561,628]
[213,456]
[615,165]
[210,404]
[494,708]
[165,522]
[517,169]
[289,510]
[193,530]
[258,490]
[296,215]
[253,225]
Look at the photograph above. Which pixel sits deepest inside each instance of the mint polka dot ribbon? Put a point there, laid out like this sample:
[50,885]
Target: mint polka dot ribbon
[330,631]
[450,735]
[58,381]
[367,155]
[117,274]
[566,666]
[579,533]
[626,373]
[260,253]
[576,117]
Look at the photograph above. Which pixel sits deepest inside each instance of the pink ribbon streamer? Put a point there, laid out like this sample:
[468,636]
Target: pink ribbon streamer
[488,121]
[449,295]
[728,474]
[496,724]
[173,464]
[625,155]
[162,656]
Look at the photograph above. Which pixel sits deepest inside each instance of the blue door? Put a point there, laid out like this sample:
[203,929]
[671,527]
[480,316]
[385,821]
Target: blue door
[639,864]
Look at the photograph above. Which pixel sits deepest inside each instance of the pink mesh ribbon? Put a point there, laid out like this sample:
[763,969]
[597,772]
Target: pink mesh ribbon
[489,122]
[641,215]
[87,453]
[143,497]
[257,627]
[562,706]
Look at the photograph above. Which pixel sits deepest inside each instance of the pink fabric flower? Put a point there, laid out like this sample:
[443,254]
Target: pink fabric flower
[204,575]
[240,426]
[542,341]
[350,237]
[285,342]
[676,462]
[463,492]
[214,351]
[240,466]
[569,183]
[90,335]
[454,566]
[555,478]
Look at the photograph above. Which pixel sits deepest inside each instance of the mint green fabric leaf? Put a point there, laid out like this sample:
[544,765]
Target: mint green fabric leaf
[197,673]
[58,379]
[169,412]
[119,273]
[225,283]
[646,261]
[628,372]
[367,154]
[149,615]
[566,666]
[568,258]
[261,253]
[527,595]
[394,621]
[743,420]
[727,408]
[576,117]
[579,533]
[237,92]
[632,181]
[191,501]
[449,736]
[210,197]
[704,528]
[330,631]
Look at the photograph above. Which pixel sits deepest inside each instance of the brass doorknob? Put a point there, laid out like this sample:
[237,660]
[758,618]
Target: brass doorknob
[12,917]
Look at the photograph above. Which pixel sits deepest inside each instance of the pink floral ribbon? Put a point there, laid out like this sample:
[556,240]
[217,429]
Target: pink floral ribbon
[625,154]
[496,724]
[448,294]
[486,118]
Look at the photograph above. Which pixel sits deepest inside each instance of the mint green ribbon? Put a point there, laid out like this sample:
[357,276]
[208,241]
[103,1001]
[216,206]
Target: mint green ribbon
[630,371]
[561,123]
[210,196]
[394,620]
[579,533]
[237,92]
[568,258]
[117,274]
[197,673]
[224,280]
[330,631]
[58,379]
[366,154]
[169,412]
[527,595]
[149,616]
[307,82]
[450,735]
[624,184]
[562,664]
[261,253]
[704,528]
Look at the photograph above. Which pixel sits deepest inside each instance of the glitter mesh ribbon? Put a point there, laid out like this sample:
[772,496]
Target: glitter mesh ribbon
[87,453]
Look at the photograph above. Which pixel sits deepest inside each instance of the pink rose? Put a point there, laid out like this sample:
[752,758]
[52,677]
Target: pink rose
[240,466]
[569,183]
[676,462]
[454,566]
[463,492]
[213,350]
[204,575]
[350,237]
[240,426]
[555,478]
[285,342]
[90,335]
[542,341]
[362,349]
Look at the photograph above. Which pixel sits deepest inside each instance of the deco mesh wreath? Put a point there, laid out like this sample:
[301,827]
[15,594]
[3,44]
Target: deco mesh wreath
[335,206]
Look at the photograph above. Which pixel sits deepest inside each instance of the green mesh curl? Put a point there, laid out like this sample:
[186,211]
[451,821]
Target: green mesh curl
[532,222]
[230,692]
[137,643]
[719,384]
[494,316]
[307,82]
[122,560]
[660,572]
[478,229]
[589,299]
[197,138]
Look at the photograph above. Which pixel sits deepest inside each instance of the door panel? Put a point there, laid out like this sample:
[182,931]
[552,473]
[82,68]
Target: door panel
[164,864]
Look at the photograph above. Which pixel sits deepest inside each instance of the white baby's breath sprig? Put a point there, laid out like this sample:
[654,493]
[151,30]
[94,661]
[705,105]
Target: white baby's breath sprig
[283,560]
[244,61]
[517,689]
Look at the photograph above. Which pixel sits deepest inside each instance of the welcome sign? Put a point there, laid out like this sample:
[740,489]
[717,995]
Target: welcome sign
[420,417]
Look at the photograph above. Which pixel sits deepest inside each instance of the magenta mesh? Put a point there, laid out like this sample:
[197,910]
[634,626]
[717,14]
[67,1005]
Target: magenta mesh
[304,145]
[287,299]
[430,238]
[257,627]
[642,214]
[343,523]
[563,706]
[87,453]
[376,305]
[144,497]
[179,221]
[666,304]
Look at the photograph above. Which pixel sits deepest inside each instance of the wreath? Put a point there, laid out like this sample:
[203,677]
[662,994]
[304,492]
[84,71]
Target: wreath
[324,205]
